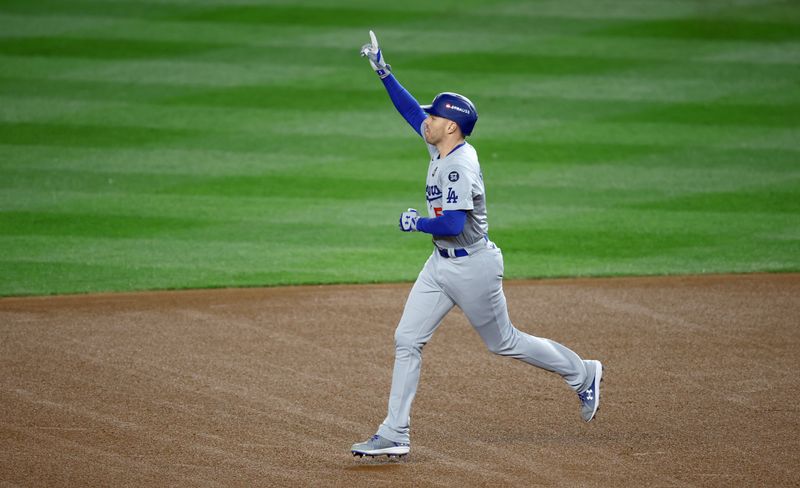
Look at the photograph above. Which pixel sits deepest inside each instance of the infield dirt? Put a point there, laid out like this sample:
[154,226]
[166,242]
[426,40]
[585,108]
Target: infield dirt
[270,387]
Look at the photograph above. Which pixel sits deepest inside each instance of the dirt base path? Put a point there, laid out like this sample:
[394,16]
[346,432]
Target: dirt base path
[270,387]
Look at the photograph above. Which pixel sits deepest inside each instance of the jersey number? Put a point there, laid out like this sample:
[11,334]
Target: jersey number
[451,196]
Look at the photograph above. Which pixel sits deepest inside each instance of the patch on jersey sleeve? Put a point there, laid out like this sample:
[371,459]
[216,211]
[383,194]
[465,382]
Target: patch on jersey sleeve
[437,211]
[453,176]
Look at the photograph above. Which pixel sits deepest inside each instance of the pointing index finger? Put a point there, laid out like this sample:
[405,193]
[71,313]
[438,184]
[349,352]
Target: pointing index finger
[374,40]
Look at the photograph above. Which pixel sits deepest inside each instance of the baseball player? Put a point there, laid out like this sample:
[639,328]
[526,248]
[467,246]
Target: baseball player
[464,270]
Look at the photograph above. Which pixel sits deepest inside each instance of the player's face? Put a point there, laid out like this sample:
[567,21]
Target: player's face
[436,128]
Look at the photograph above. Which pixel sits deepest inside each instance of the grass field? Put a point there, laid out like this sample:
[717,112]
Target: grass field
[151,145]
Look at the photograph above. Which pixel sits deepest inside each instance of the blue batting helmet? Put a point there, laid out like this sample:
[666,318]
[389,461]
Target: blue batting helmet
[455,107]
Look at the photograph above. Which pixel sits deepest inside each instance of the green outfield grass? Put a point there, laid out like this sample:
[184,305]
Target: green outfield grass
[177,144]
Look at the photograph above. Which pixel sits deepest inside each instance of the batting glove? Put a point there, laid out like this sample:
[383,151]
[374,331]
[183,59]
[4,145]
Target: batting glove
[373,53]
[408,220]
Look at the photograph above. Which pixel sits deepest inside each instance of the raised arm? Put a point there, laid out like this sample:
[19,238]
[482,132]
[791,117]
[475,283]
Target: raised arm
[403,101]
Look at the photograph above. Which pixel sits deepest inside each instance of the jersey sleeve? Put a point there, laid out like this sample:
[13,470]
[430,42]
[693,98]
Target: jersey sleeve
[457,184]
[405,103]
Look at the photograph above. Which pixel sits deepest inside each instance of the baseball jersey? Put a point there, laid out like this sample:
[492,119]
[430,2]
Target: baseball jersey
[455,182]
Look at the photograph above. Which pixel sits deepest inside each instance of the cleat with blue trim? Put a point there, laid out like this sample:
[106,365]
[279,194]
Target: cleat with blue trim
[378,446]
[590,397]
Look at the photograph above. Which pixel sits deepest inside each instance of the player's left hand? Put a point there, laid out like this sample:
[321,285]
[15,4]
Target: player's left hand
[375,56]
[408,220]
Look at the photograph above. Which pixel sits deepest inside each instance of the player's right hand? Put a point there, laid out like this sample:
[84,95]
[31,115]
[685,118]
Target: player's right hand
[408,220]
[375,56]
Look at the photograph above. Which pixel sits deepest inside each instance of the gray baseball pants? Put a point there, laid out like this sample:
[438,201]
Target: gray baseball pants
[475,284]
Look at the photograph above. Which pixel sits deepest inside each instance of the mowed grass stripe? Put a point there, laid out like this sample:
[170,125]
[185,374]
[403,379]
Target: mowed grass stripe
[634,89]
[110,48]
[701,76]
[770,201]
[92,225]
[103,48]
[182,111]
[173,124]
[540,244]
[217,255]
[702,29]
[260,210]
[564,167]
[97,135]
[316,16]
[46,8]
[115,226]
[557,145]
[286,97]
[655,124]
[644,10]
[475,62]
[544,224]
[573,145]
[543,208]
[410,40]
[346,98]
[538,101]
[717,114]
[171,262]
[175,70]
[219,16]
[529,182]
[664,134]
[319,15]
[160,160]
[509,138]
[227,250]
[29,278]
[583,10]
[255,185]
[344,16]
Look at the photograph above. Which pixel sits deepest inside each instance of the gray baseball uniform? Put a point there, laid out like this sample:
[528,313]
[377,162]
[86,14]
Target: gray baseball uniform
[464,270]
[474,283]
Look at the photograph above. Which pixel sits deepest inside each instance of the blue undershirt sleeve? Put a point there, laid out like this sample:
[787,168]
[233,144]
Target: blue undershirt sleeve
[406,104]
[451,223]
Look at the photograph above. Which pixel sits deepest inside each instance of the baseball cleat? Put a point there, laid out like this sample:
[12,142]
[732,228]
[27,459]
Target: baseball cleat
[590,398]
[378,446]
